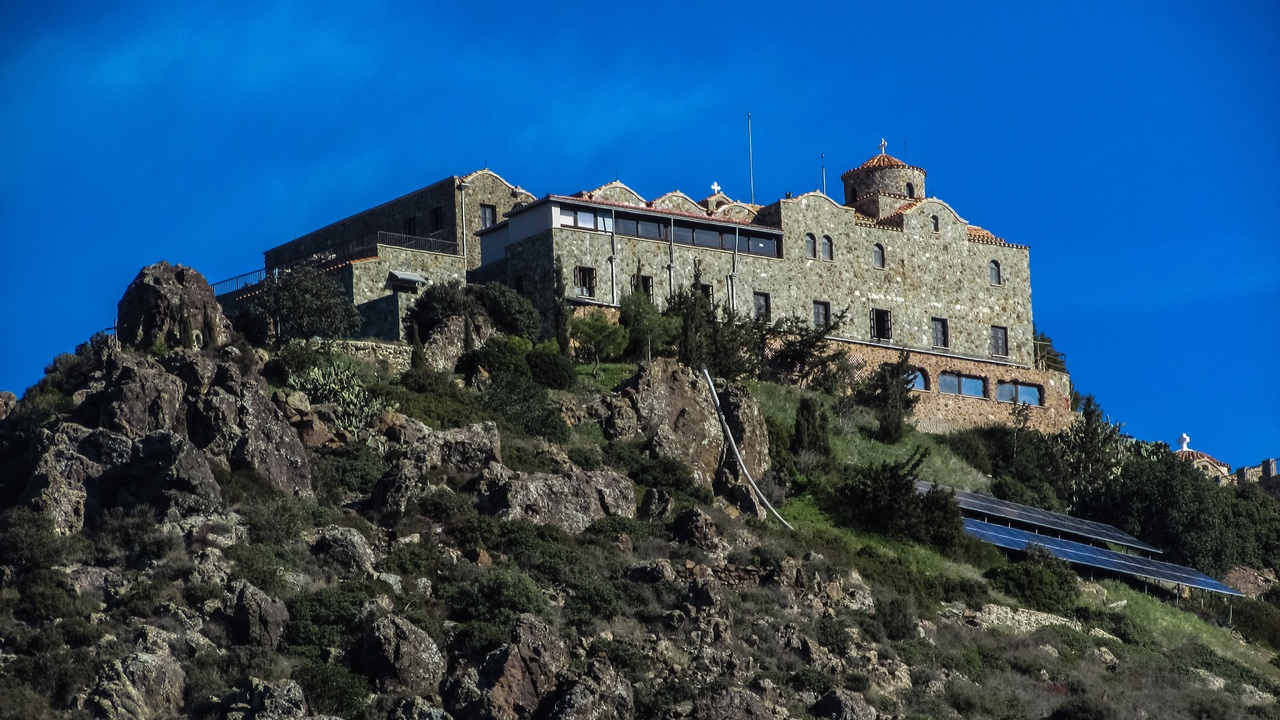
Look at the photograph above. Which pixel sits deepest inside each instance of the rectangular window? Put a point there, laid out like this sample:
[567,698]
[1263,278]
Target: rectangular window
[957,384]
[584,281]
[488,216]
[518,284]
[999,341]
[821,314]
[941,334]
[586,219]
[651,229]
[627,226]
[881,324]
[411,225]
[683,235]
[760,304]
[1019,393]
[437,219]
[706,238]
[705,289]
[949,383]
[646,285]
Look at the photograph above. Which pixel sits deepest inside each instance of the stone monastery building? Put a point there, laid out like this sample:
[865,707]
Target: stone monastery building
[907,269]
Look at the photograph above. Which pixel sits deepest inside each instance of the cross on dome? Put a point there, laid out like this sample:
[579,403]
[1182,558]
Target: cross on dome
[883,145]
[715,187]
[1183,441]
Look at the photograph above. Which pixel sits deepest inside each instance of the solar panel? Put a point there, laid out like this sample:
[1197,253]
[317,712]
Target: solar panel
[1081,554]
[1043,518]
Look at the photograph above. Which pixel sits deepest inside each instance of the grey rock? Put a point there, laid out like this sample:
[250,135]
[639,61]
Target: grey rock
[401,656]
[598,694]
[572,500]
[415,708]
[841,704]
[171,475]
[138,686]
[255,617]
[282,700]
[696,528]
[171,305]
[345,548]
[464,451]
[653,571]
[656,504]
[517,677]
[8,403]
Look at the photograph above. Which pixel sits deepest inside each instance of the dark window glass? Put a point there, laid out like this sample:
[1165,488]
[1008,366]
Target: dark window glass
[881,324]
[650,229]
[934,220]
[683,235]
[765,246]
[411,226]
[584,281]
[705,289]
[999,341]
[706,238]
[646,285]
[941,333]
[810,246]
[488,216]
[760,303]
[821,314]
[828,248]
[993,269]
[437,219]
[877,256]
[911,190]
[627,226]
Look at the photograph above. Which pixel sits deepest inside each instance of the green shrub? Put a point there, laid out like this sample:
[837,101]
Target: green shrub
[551,369]
[341,384]
[324,618]
[1041,580]
[499,356]
[510,312]
[28,542]
[305,302]
[488,604]
[333,689]
[526,406]
[662,472]
[354,467]
[413,559]
[131,538]
[811,679]
[1084,707]
[263,566]
[898,616]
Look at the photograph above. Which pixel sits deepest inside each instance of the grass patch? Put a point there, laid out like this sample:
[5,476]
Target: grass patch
[611,375]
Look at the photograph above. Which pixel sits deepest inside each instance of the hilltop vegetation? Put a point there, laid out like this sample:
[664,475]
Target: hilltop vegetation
[216,529]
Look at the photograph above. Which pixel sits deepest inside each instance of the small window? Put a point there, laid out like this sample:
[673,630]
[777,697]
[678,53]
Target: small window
[993,270]
[518,284]
[646,285]
[920,381]
[933,220]
[999,341]
[411,225]
[941,333]
[585,219]
[1020,393]
[810,245]
[881,324]
[951,383]
[437,219]
[911,190]
[821,314]
[584,281]
[705,290]
[828,248]
[706,238]
[877,256]
[488,216]
[761,307]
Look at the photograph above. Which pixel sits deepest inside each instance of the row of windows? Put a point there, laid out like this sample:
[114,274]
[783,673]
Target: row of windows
[882,330]
[678,232]
[435,217]
[954,383]
[812,248]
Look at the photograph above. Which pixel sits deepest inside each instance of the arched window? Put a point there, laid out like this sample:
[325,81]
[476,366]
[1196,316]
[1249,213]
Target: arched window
[920,381]
[877,256]
[911,190]
[993,270]
[810,245]
[828,248]
[934,219]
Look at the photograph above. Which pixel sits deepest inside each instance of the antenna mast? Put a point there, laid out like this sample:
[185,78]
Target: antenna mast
[751,160]
[824,173]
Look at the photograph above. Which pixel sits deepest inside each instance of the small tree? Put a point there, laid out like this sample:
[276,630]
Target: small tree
[304,302]
[599,337]
[808,358]
[647,325]
[560,313]
[811,439]
[888,392]
[696,318]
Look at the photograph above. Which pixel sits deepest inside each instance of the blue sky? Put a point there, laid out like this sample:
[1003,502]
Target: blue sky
[1133,146]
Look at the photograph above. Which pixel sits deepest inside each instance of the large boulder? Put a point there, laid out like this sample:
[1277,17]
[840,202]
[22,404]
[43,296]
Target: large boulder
[571,500]
[670,404]
[598,694]
[139,686]
[282,700]
[255,617]
[168,473]
[8,403]
[172,306]
[425,452]
[841,704]
[517,678]
[402,657]
[345,549]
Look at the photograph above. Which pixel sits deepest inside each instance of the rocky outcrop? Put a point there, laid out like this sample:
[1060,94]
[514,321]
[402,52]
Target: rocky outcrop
[8,403]
[425,452]
[598,694]
[173,306]
[344,548]
[841,704]
[519,676]
[669,404]
[415,708]
[571,500]
[696,528]
[139,686]
[255,617]
[282,700]
[401,656]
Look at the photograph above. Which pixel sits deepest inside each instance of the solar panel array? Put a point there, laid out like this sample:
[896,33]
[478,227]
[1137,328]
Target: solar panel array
[1043,518]
[1081,554]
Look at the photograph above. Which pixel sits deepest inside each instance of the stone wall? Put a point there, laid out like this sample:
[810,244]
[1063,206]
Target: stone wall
[939,412]
[394,357]
[1266,471]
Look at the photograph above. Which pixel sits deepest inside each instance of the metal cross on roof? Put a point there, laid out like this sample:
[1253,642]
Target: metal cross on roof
[715,187]
[883,145]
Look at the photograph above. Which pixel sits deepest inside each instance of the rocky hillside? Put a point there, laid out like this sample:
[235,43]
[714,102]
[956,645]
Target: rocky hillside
[196,527]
